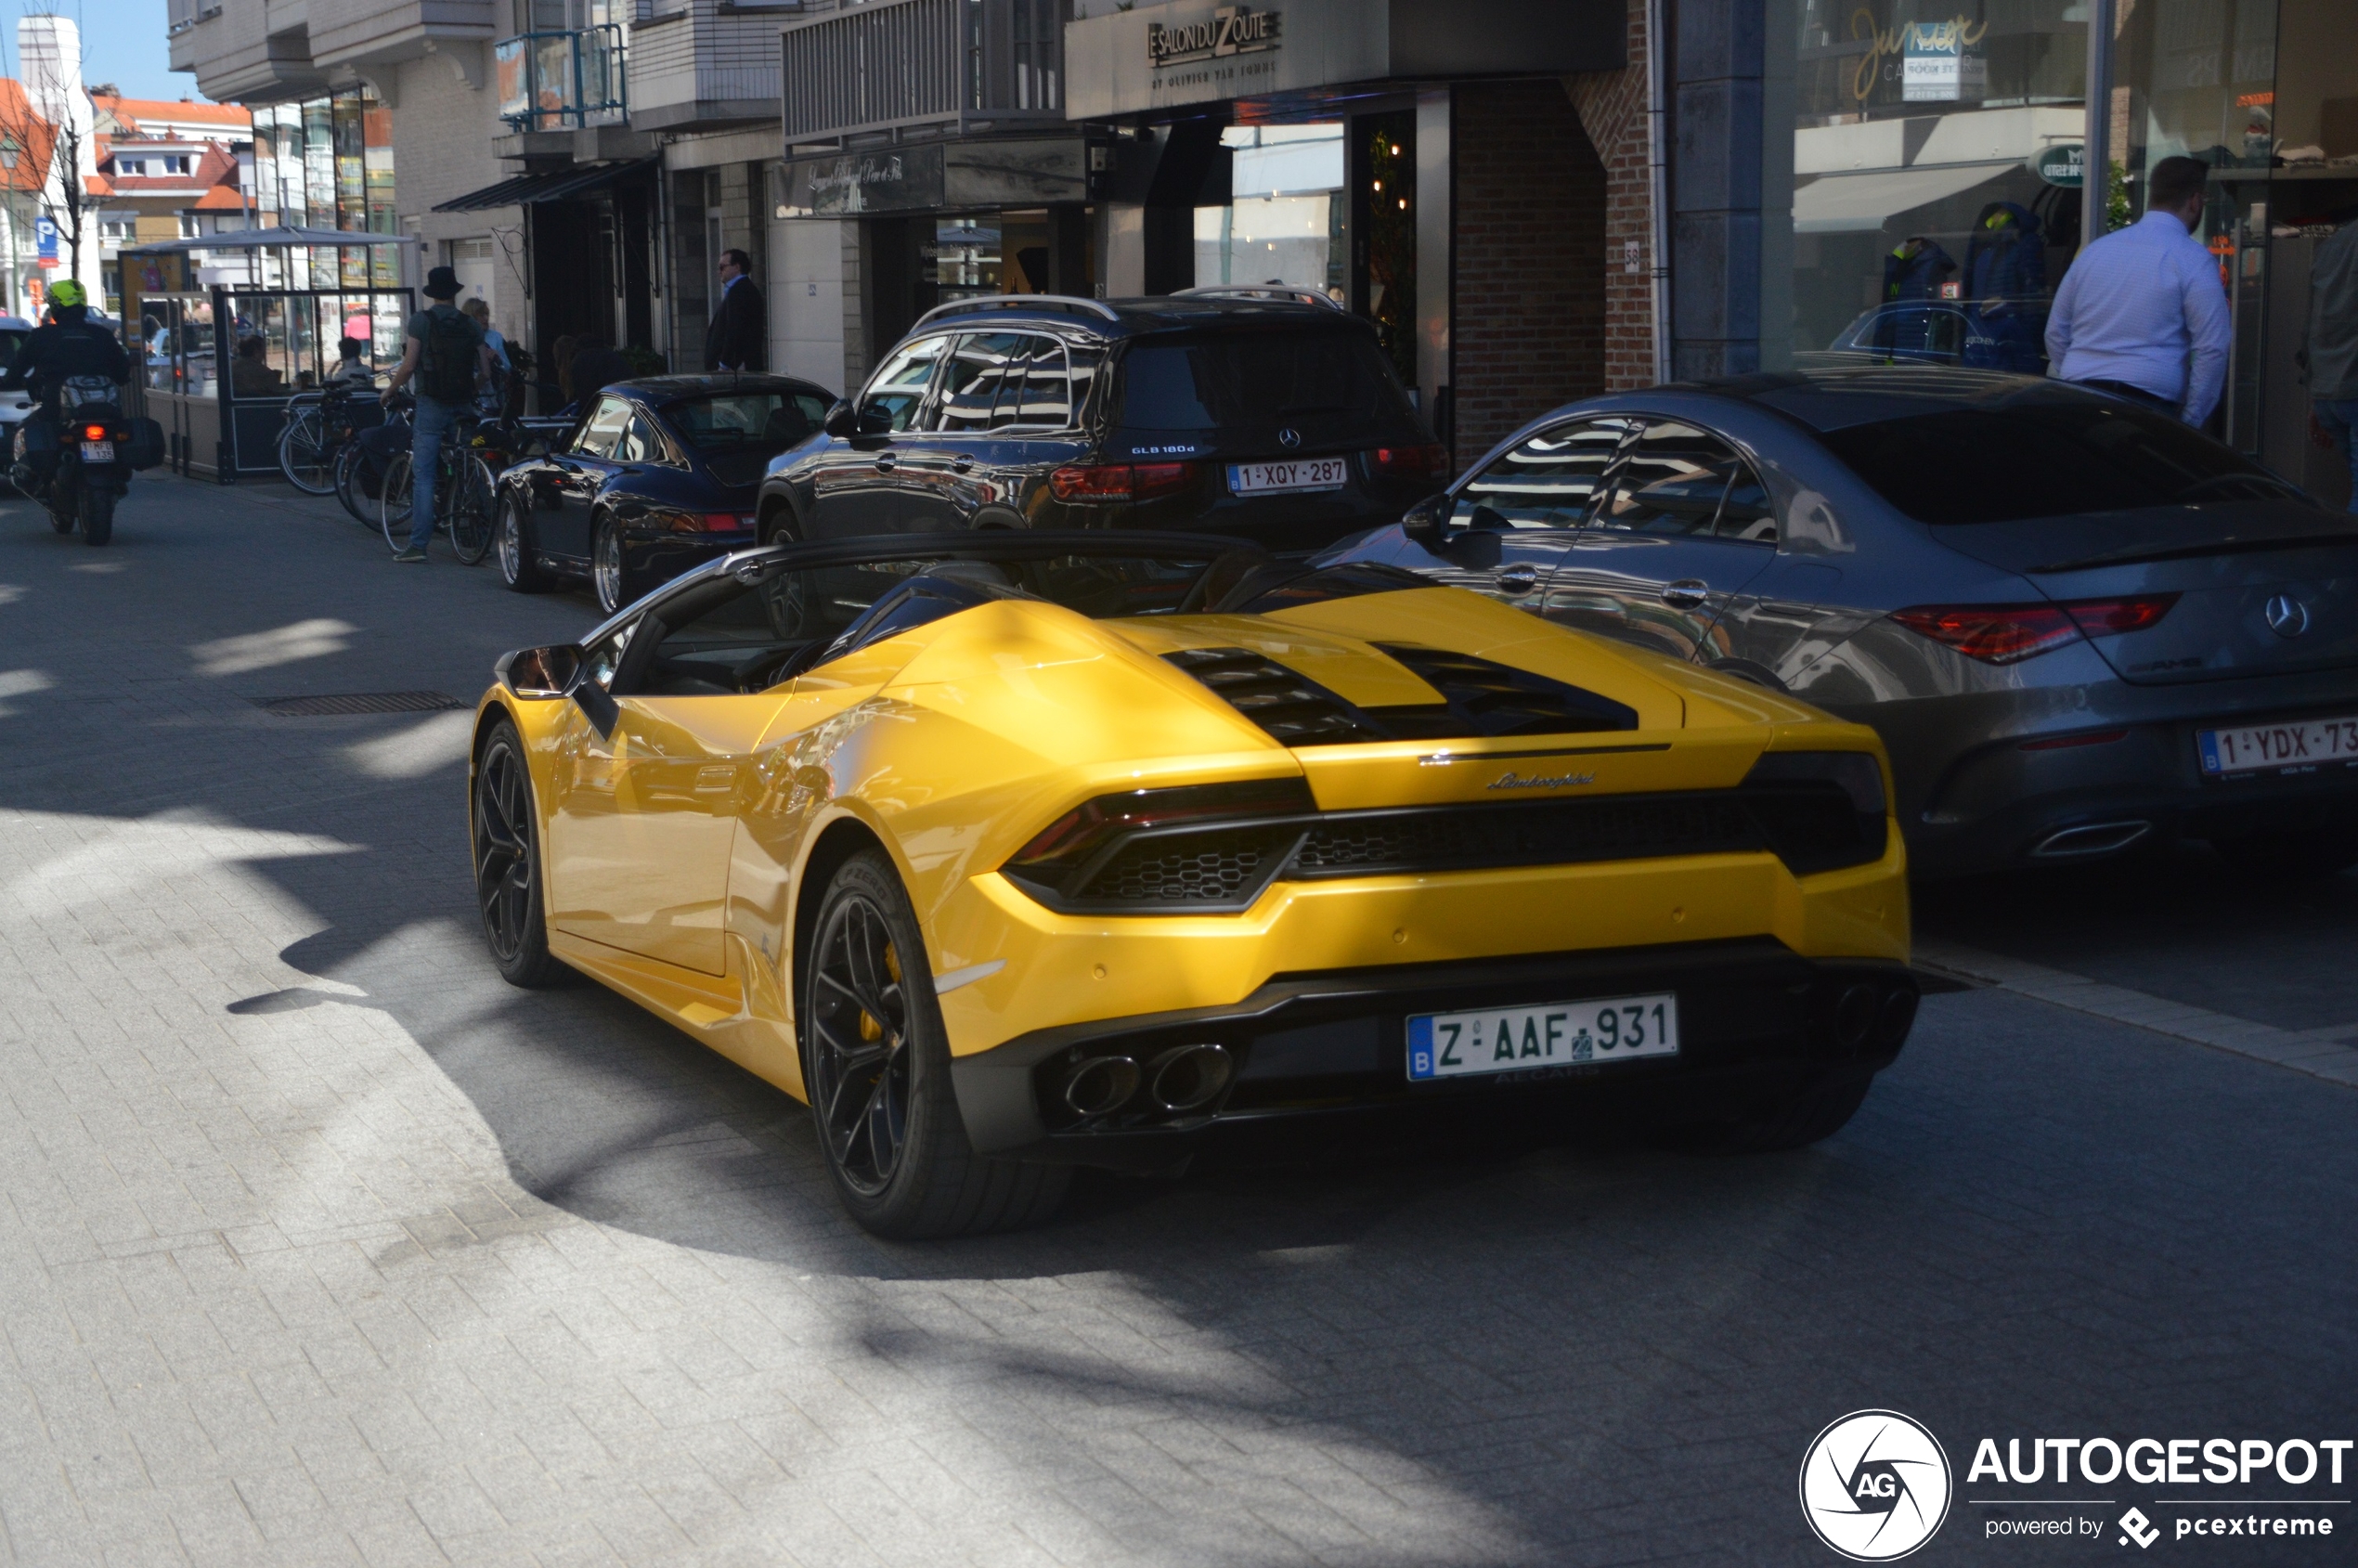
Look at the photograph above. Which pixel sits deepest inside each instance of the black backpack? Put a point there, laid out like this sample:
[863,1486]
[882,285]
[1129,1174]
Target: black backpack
[446,373]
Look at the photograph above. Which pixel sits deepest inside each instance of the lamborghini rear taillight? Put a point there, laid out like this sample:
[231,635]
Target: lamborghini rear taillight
[1189,847]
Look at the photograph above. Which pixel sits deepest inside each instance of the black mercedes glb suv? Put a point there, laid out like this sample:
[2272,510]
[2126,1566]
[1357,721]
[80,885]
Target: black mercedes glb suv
[1266,413]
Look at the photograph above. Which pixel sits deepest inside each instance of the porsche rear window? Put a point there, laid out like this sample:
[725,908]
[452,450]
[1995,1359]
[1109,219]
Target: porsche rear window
[2003,465]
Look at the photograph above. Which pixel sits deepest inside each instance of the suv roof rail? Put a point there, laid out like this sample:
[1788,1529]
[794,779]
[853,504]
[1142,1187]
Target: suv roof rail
[1257,291]
[1023,302]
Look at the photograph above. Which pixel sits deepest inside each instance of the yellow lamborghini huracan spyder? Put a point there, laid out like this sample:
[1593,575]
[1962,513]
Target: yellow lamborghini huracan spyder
[1012,853]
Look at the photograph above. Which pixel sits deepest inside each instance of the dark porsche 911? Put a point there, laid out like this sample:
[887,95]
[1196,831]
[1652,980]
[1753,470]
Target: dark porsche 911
[657,477]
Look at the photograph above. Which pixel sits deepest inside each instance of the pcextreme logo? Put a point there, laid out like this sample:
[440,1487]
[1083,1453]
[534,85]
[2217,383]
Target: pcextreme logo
[1875,1485]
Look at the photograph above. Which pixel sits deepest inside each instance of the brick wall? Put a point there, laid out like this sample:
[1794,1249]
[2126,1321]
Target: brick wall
[1611,105]
[1529,316]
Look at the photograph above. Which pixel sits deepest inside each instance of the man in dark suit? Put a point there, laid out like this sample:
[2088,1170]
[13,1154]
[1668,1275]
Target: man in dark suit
[739,336]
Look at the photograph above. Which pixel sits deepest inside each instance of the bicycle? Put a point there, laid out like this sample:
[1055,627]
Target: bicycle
[320,426]
[466,489]
[355,487]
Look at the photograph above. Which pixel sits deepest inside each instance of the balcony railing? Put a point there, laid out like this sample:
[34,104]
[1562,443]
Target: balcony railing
[563,81]
[910,62]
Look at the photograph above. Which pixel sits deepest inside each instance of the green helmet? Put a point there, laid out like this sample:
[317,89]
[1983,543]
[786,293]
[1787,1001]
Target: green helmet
[65,291]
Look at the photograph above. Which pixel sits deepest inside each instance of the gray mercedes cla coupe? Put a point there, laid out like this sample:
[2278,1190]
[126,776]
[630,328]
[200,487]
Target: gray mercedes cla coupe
[2081,627]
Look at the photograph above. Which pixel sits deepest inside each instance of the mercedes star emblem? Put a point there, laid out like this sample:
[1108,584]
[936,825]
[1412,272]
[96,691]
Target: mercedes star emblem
[2287,616]
[1290,437]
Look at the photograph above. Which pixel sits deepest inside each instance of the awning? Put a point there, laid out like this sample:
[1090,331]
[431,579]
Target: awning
[555,187]
[1855,204]
[267,239]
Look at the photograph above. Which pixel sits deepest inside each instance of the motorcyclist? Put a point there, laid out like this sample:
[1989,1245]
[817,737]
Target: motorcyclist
[70,346]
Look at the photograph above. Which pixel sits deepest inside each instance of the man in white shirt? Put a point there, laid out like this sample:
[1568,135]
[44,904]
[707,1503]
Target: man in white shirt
[2141,314]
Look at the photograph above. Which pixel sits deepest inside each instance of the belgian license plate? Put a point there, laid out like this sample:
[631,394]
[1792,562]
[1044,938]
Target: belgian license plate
[98,451]
[1307,473]
[2304,743]
[1611,1029]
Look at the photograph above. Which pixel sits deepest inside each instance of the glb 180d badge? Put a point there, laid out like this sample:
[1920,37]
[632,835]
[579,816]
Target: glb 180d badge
[1875,1485]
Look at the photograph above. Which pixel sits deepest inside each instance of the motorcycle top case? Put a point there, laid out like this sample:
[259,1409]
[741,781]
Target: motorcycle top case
[36,438]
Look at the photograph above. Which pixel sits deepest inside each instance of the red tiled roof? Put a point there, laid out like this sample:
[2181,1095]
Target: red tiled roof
[227,115]
[222,199]
[19,121]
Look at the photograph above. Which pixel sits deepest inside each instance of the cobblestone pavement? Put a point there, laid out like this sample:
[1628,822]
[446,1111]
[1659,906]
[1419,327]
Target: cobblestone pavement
[320,1245]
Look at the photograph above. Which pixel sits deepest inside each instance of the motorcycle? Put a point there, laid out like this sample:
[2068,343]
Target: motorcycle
[91,454]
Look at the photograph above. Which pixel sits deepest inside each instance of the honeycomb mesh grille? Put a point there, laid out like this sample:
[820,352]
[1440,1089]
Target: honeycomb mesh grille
[1196,868]
[1555,833]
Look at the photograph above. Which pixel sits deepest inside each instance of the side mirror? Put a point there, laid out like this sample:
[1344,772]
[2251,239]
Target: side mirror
[874,419]
[540,673]
[1427,523]
[842,423]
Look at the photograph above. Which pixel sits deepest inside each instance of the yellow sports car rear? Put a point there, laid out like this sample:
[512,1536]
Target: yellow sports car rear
[1017,852]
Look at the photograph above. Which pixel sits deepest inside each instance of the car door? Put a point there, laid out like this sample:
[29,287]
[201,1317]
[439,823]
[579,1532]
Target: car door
[856,486]
[580,473]
[1512,522]
[647,795]
[1685,525]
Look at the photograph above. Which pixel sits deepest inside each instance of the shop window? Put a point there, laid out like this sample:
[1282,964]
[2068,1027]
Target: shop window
[1678,480]
[1283,222]
[1548,481]
[1935,204]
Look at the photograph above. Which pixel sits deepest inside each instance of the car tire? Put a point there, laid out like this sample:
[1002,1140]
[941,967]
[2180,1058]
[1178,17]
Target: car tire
[610,577]
[512,546]
[779,526]
[2298,856]
[503,833]
[1810,1116]
[875,1065]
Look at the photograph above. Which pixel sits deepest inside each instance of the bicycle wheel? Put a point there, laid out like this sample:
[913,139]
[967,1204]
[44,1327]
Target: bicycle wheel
[474,496]
[392,504]
[348,491]
[304,455]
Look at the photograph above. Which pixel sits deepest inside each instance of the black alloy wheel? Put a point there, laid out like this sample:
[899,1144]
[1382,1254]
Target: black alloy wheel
[507,855]
[862,1049]
[606,567]
[877,1071]
[511,543]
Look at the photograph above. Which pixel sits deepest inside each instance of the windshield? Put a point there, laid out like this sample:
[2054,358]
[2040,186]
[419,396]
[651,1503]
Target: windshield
[1256,381]
[733,635]
[2003,465]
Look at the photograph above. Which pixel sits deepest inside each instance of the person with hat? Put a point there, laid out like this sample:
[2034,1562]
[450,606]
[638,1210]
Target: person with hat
[443,351]
[69,345]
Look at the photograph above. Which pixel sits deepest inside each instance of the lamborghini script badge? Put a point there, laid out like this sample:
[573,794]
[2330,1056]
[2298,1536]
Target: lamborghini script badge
[1510,779]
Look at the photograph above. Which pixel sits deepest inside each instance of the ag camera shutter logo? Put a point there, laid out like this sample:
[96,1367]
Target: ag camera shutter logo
[1875,1485]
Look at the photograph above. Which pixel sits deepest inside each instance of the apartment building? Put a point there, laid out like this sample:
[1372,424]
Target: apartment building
[168,170]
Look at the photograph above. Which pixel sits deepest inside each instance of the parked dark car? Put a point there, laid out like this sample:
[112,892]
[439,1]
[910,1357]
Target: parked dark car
[660,475]
[2079,627]
[1269,414]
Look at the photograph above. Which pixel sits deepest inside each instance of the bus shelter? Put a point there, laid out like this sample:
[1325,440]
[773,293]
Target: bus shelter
[219,365]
